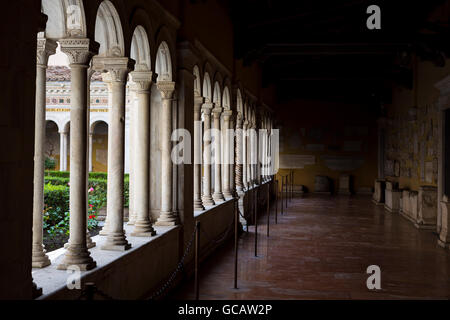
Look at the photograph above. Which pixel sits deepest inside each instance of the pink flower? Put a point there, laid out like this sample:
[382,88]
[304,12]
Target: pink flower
[91,189]
[68,183]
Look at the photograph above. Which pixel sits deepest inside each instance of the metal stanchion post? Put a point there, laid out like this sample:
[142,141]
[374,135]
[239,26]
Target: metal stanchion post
[286,187]
[268,208]
[281,194]
[276,201]
[236,219]
[256,223]
[197,249]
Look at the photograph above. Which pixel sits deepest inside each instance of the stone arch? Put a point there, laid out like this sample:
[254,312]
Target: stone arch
[226,100]
[108,31]
[239,103]
[140,19]
[207,90]
[163,65]
[197,81]
[140,49]
[95,119]
[65,18]
[217,94]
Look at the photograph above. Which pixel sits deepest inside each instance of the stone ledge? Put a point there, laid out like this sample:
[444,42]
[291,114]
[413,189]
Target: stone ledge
[53,281]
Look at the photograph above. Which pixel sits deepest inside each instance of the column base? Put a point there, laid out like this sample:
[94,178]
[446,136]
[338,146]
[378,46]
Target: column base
[104,231]
[39,257]
[167,219]
[37,292]
[227,194]
[143,229]
[116,241]
[198,205]
[89,243]
[218,197]
[208,201]
[79,256]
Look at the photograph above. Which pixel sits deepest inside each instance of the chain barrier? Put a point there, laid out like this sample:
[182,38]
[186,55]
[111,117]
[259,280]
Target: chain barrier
[179,267]
[223,237]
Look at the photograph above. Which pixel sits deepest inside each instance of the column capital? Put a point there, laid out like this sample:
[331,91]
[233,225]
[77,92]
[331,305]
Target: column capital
[142,80]
[45,48]
[166,88]
[113,69]
[227,114]
[198,101]
[207,107]
[217,111]
[79,50]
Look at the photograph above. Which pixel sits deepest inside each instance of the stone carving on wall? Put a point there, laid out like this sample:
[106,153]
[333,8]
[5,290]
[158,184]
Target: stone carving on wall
[342,163]
[295,161]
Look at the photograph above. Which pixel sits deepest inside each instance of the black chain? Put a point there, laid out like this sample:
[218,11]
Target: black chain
[179,267]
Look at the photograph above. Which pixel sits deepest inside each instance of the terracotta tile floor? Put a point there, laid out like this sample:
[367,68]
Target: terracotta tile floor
[321,249]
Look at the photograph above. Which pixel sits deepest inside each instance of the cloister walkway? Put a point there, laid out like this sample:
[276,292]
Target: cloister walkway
[321,249]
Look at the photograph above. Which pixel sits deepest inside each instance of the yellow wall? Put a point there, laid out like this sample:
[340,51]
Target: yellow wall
[334,119]
[401,132]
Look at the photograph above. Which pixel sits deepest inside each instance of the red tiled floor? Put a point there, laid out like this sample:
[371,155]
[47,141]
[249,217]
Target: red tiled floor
[321,249]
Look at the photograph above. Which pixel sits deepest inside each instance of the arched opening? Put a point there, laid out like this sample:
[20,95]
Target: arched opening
[140,50]
[99,153]
[108,31]
[163,63]
[52,146]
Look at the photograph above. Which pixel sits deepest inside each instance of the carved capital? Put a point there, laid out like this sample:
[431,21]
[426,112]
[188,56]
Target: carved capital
[141,81]
[45,48]
[207,107]
[217,111]
[198,101]
[227,114]
[113,69]
[166,88]
[79,50]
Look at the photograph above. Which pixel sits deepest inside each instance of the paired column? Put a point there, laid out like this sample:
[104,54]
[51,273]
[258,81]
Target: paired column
[45,48]
[79,52]
[63,151]
[167,216]
[142,81]
[218,195]
[207,198]
[239,155]
[198,205]
[115,71]
[227,157]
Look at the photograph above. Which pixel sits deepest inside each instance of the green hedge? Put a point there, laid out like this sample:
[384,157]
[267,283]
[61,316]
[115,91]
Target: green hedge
[66,174]
[100,186]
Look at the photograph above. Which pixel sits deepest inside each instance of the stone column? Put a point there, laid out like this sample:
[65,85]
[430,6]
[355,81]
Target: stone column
[239,156]
[167,216]
[45,48]
[232,154]
[79,52]
[142,82]
[217,195]
[227,163]
[198,205]
[207,198]
[245,155]
[132,139]
[114,72]
[63,151]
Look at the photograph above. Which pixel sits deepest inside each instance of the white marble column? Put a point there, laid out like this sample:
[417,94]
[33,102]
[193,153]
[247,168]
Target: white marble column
[232,154]
[217,195]
[167,216]
[245,172]
[206,197]
[79,52]
[142,81]
[198,205]
[44,49]
[90,151]
[227,163]
[132,166]
[63,150]
[239,155]
[114,72]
